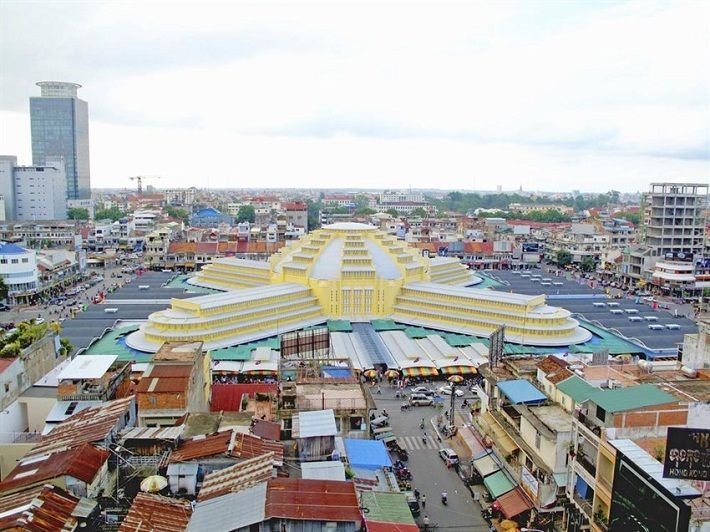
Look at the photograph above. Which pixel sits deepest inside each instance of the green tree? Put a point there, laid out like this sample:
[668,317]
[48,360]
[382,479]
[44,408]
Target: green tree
[419,212]
[112,214]
[77,213]
[633,217]
[314,208]
[246,213]
[392,212]
[362,201]
[563,258]
[588,264]
[3,289]
[175,212]
[365,211]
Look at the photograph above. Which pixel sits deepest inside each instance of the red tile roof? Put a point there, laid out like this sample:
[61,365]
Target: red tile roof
[154,513]
[50,509]
[81,462]
[312,500]
[209,248]
[182,247]
[6,363]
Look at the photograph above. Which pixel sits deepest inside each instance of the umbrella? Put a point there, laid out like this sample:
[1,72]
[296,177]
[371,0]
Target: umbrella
[153,483]
[392,373]
[508,525]
[370,373]
[455,379]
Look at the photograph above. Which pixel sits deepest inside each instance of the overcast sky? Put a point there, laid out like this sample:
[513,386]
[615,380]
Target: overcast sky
[546,95]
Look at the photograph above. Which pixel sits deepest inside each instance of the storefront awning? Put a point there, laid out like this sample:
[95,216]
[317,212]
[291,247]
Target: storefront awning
[497,484]
[419,372]
[506,445]
[486,465]
[513,503]
[458,370]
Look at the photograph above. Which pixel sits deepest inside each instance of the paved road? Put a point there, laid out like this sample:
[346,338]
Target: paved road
[431,476]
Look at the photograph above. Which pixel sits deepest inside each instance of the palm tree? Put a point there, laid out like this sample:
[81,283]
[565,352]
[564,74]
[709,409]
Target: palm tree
[3,290]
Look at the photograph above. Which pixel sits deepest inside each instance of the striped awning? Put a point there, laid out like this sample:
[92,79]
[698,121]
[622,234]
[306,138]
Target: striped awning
[419,372]
[458,370]
[261,372]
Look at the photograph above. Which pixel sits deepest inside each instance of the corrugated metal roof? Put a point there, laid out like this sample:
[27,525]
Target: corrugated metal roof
[219,513]
[82,463]
[42,509]
[152,433]
[90,425]
[577,388]
[520,391]
[154,513]
[267,429]
[249,446]
[237,477]
[312,500]
[202,446]
[314,423]
[333,470]
[654,469]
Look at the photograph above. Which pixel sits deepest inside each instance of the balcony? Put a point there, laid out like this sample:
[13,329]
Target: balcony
[587,464]
[601,522]
[584,504]
[589,428]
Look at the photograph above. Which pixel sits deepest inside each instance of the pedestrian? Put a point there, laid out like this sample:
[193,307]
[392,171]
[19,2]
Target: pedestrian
[423,500]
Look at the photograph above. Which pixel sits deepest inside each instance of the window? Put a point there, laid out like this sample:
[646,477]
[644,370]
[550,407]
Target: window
[601,413]
[25,261]
[14,261]
[537,440]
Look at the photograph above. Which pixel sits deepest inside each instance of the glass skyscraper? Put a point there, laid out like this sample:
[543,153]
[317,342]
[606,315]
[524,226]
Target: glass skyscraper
[60,128]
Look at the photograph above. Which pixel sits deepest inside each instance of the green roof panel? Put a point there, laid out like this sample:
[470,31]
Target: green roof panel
[339,326]
[386,325]
[578,389]
[631,398]
[386,507]
[497,484]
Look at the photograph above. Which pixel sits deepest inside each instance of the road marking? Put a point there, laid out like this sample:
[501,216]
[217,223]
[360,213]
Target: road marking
[415,443]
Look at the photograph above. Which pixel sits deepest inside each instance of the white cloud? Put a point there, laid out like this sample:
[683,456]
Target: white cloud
[378,94]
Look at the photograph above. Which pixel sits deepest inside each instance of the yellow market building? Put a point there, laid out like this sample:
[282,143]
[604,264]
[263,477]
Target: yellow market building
[356,272]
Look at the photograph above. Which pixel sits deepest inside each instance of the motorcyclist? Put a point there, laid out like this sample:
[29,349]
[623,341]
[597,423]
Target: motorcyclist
[421,424]
[444,497]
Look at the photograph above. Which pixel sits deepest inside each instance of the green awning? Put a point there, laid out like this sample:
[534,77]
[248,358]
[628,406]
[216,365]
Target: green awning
[386,325]
[416,332]
[339,326]
[497,484]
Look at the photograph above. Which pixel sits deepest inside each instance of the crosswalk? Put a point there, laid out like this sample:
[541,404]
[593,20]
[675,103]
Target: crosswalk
[416,443]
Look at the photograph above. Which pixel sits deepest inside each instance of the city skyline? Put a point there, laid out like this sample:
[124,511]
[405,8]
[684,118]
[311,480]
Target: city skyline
[541,95]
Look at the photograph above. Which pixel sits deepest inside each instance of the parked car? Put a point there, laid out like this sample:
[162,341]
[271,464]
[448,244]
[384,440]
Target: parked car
[446,390]
[39,321]
[423,390]
[419,399]
[3,307]
[449,456]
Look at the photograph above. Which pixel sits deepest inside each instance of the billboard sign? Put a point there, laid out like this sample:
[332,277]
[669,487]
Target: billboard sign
[687,454]
[496,346]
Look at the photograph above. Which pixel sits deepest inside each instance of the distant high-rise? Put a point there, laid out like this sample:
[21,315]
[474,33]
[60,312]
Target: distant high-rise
[60,128]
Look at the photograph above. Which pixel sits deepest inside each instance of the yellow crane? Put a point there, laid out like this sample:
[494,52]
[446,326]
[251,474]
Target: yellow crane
[139,179]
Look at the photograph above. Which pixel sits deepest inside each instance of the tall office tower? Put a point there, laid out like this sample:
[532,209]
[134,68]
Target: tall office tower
[60,128]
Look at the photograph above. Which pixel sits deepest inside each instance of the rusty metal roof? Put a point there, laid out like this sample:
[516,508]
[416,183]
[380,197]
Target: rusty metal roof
[178,351]
[90,425]
[154,513]
[163,384]
[312,500]
[237,477]
[44,508]
[249,446]
[81,462]
[202,447]
[168,370]
[267,429]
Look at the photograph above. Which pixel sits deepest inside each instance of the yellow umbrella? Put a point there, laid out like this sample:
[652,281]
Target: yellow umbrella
[455,379]
[370,373]
[508,525]
[153,483]
[392,373]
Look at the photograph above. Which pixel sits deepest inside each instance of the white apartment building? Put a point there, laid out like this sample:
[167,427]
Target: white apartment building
[18,268]
[390,196]
[180,196]
[33,192]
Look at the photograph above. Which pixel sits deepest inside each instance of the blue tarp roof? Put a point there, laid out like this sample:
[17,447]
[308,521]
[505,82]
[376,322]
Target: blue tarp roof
[521,391]
[368,454]
[334,372]
[11,249]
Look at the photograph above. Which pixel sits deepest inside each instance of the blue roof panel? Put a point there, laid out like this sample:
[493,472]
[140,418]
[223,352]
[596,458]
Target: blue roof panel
[11,249]
[521,391]
[367,454]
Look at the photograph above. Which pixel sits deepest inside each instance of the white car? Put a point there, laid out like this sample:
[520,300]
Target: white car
[449,456]
[446,390]
[423,390]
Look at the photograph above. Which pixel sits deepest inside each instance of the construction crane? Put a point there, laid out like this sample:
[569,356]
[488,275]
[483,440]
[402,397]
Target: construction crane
[140,178]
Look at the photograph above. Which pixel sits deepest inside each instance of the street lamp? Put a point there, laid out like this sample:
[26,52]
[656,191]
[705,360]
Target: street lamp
[453,380]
